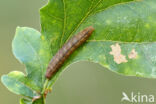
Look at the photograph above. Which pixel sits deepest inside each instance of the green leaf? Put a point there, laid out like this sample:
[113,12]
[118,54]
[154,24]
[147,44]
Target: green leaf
[29,101]
[128,25]
[16,82]
[28,49]
[123,41]
[31,50]
[25,101]
[39,101]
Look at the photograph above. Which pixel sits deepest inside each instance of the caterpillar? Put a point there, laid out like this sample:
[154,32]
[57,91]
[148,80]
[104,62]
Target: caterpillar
[67,49]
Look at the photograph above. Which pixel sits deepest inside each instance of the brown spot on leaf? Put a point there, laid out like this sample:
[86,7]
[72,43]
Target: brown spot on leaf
[116,52]
[133,54]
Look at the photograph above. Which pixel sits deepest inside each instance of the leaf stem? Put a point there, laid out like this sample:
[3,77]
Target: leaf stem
[45,85]
[44,101]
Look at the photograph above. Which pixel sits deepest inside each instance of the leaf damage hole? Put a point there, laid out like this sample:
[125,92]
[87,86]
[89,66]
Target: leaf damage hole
[116,52]
[133,54]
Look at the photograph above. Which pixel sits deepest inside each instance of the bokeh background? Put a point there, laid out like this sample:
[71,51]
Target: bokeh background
[81,83]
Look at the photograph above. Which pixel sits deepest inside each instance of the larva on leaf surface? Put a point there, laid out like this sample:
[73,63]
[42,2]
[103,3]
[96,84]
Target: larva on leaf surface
[67,50]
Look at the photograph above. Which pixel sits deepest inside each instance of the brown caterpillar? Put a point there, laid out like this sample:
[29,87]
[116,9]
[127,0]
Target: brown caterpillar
[67,50]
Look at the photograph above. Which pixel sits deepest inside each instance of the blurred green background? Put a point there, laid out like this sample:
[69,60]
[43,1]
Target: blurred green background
[81,83]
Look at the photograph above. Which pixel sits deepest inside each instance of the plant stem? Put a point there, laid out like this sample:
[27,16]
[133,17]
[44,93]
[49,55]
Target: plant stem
[44,100]
[45,85]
